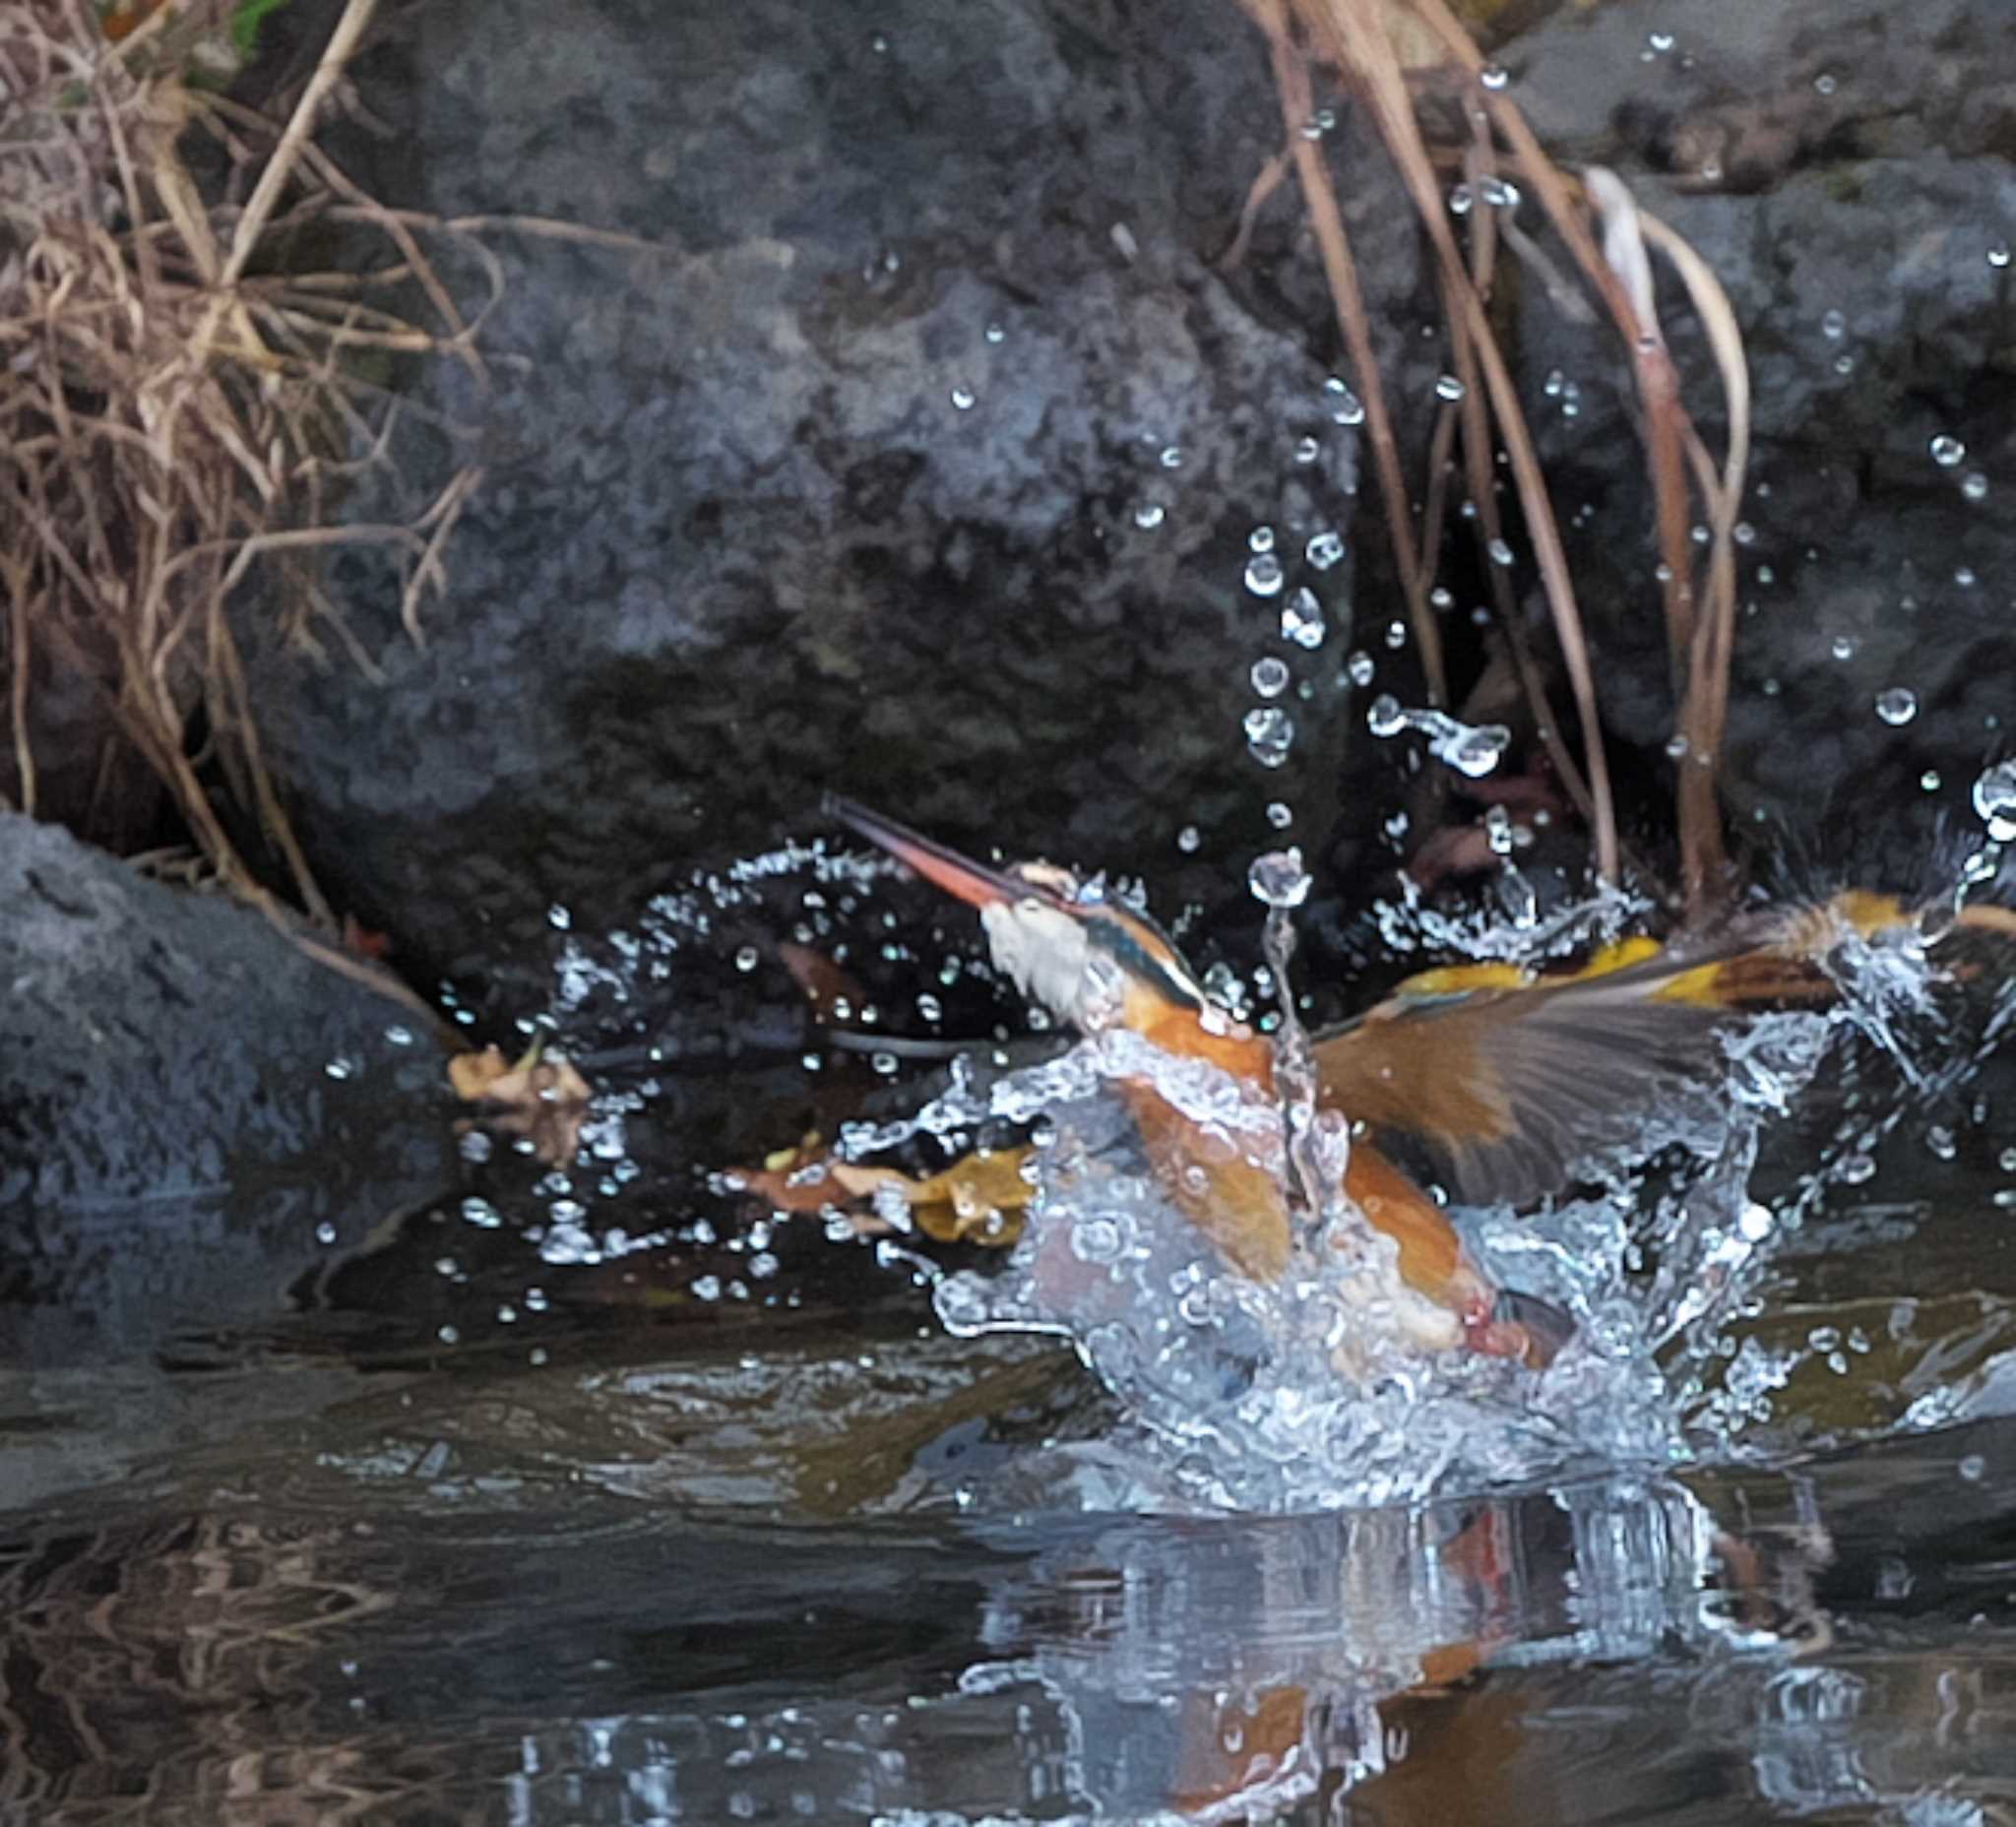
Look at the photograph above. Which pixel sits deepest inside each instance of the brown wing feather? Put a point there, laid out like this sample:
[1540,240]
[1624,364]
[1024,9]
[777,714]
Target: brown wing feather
[1508,1088]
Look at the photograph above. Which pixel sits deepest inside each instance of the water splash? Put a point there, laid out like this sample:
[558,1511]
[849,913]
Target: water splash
[1473,750]
[1338,1385]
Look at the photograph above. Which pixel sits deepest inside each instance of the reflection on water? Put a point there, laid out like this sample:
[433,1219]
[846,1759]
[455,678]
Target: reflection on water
[716,1591]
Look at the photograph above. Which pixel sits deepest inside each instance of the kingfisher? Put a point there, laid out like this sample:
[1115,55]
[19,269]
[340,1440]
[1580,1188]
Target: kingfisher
[1501,1079]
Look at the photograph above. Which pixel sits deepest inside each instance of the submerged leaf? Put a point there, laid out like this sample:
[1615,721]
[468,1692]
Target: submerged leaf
[979,1199]
[545,1100]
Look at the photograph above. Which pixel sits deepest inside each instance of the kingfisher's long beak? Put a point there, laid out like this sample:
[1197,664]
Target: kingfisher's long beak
[975,883]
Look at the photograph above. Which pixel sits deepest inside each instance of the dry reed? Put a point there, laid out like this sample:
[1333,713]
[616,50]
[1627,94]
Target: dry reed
[1358,38]
[173,410]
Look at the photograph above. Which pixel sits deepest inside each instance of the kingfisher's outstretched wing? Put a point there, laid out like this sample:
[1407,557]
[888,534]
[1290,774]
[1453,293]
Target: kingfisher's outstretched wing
[1507,1081]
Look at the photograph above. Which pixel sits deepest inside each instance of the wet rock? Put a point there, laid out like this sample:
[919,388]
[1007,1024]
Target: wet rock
[1867,259]
[919,456]
[1739,98]
[192,1113]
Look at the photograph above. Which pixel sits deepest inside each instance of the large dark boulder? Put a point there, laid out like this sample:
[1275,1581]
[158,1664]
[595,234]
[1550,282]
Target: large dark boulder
[919,455]
[193,1113]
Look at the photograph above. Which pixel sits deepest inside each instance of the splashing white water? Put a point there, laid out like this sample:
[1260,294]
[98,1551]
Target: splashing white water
[1337,1384]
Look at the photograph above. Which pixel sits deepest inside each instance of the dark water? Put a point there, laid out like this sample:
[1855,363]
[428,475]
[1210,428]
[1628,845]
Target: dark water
[499,1537]
[663,1576]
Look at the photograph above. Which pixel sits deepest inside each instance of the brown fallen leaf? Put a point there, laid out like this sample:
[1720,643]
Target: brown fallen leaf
[794,1179]
[541,1098]
[979,1199]
[831,993]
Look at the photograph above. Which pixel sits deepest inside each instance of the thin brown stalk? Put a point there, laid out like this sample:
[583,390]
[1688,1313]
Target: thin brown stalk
[1319,195]
[20,658]
[1358,42]
[1272,175]
[1659,395]
[294,140]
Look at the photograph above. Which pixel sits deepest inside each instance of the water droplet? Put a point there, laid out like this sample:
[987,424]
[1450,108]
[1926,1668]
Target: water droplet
[1448,387]
[1897,705]
[1998,256]
[325,1232]
[994,333]
[1948,451]
[1441,599]
[2006,1160]
[1358,668]
[1148,516]
[1756,1222]
[1188,838]
[1346,407]
[1995,799]
[1975,485]
[1269,676]
[1384,717]
[1172,456]
[558,917]
[1661,42]
[1261,540]
[1472,751]
[1492,77]
[1302,619]
[1965,577]
[1264,574]
[745,959]
[1280,815]
[1500,552]
[341,1067]
[1973,1467]
[1324,549]
[962,399]
[1677,748]
[1279,880]
[1460,200]
[1307,449]
[1843,646]
[1930,779]
[1823,84]
[1395,635]
[1500,194]
[1269,734]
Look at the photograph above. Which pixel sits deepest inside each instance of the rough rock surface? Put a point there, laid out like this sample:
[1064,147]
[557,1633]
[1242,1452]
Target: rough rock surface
[919,460]
[1846,170]
[192,1113]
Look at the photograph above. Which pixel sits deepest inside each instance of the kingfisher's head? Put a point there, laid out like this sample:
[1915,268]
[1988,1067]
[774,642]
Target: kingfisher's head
[1088,959]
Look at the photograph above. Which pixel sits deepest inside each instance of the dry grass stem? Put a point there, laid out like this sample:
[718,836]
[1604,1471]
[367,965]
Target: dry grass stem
[1297,105]
[175,413]
[1363,39]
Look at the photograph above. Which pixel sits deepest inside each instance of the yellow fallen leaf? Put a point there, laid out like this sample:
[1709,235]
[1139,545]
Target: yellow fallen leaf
[978,1199]
[541,1098]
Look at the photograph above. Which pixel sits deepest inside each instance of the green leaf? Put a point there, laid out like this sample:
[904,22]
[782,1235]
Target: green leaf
[246,20]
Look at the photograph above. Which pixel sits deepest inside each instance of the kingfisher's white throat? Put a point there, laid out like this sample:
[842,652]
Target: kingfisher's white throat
[1045,952]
